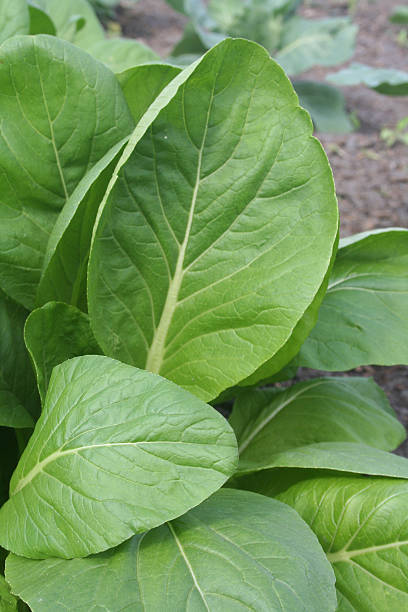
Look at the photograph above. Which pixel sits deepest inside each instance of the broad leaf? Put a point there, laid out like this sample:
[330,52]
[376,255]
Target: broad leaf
[227,232]
[75,21]
[387,81]
[237,551]
[54,333]
[362,525]
[116,451]
[18,395]
[270,421]
[8,603]
[40,21]
[119,54]
[306,43]
[14,18]
[69,110]
[147,89]
[326,106]
[363,317]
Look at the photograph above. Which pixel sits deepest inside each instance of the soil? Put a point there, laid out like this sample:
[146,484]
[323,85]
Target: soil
[371,177]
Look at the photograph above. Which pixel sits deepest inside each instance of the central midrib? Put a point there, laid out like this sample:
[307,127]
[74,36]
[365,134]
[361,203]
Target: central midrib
[156,352]
[346,555]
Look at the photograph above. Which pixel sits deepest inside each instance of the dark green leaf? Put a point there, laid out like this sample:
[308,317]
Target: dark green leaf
[387,81]
[75,21]
[326,106]
[399,15]
[8,603]
[40,21]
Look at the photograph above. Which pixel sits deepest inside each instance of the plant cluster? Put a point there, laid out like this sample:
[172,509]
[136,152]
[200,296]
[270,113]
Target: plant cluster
[169,247]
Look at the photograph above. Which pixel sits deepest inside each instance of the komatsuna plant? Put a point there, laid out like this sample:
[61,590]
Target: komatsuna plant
[180,247]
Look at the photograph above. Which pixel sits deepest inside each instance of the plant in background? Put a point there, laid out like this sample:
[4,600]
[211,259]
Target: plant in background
[398,134]
[169,238]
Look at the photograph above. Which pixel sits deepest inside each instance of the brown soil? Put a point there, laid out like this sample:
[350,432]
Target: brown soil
[371,178]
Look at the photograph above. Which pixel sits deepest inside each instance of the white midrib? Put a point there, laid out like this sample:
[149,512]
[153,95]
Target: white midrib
[187,562]
[346,555]
[156,352]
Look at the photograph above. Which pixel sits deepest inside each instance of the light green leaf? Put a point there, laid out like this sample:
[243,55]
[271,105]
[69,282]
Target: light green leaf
[54,333]
[326,106]
[18,395]
[319,42]
[8,603]
[67,107]
[75,21]
[14,18]
[64,277]
[399,15]
[40,21]
[363,319]
[227,231]
[362,526]
[270,421]
[115,452]
[236,551]
[387,81]
[120,54]
[142,84]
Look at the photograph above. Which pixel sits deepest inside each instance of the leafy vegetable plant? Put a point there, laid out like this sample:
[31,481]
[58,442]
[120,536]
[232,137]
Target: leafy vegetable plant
[168,246]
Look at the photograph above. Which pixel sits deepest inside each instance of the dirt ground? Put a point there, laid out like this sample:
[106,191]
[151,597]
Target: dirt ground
[371,178]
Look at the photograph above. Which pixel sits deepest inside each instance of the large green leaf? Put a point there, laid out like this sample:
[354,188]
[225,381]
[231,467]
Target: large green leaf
[363,319]
[119,54]
[237,551]
[54,333]
[75,21]
[66,259]
[362,525]
[116,451]
[323,42]
[14,18]
[326,106]
[8,603]
[384,80]
[58,119]
[18,395]
[227,231]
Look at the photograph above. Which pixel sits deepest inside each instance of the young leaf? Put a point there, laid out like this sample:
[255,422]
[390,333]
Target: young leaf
[387,81]
[75,21]
[119,54]
[362,526]
[236,551]
[67,107]
[18,395]
[8,603]
[40,21]
[320,42]
[116,451]
[326,106]
[54,333]
[363,319]
[14,18]
[219,226]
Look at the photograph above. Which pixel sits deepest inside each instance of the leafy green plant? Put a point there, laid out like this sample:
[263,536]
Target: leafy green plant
[398,134]
[180,247]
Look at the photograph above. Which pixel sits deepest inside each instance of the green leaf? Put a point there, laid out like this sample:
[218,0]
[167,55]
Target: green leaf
[147,90]
[363,319]
[120,54]
[320,42]
[8,603]
[236,551]
[222,225]
[326,106]
[75,21]
[67,107]
[14,18]
[40,21]
[142,84]
[54,333]
[362,526]
[387,81]
[116,451]
[9,455]
[399,15]
[18,395]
